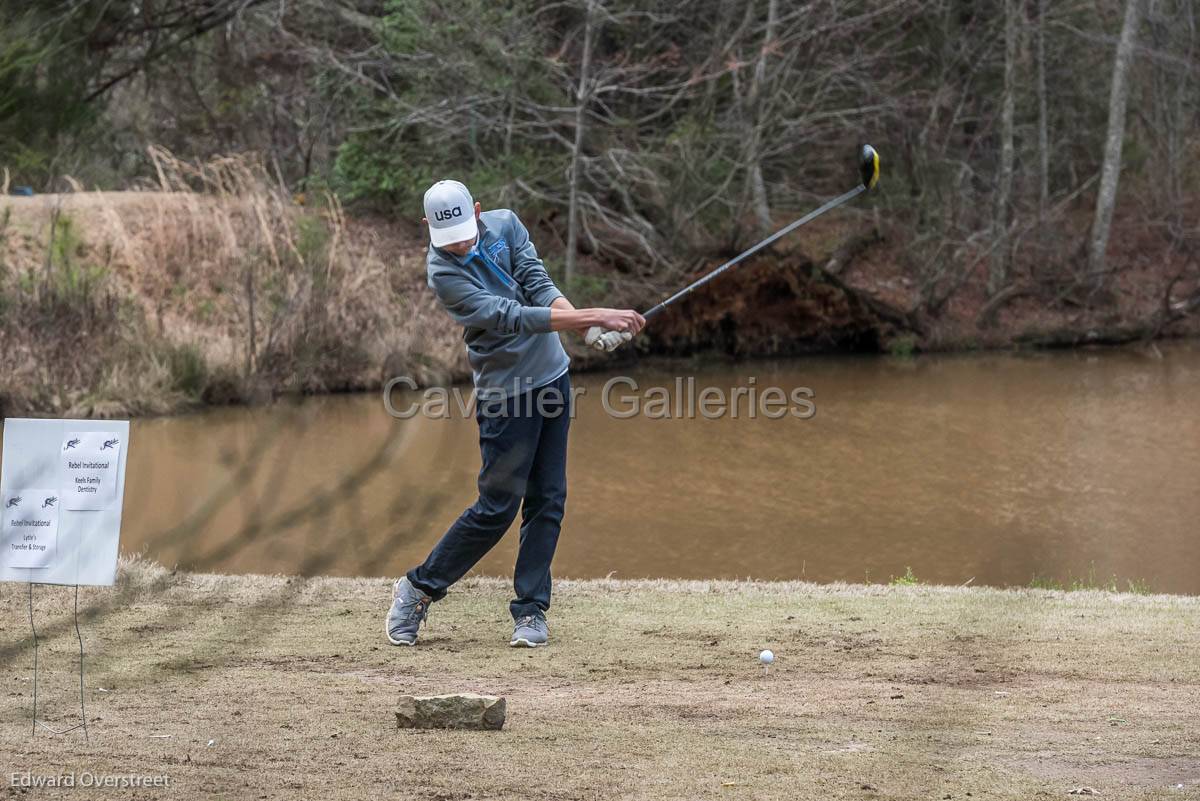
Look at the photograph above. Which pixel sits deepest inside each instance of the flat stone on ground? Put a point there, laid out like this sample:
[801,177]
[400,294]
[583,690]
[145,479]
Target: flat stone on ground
[453,711]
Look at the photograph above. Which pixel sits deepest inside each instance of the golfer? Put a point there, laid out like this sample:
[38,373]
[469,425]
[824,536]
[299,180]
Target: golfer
[488,276]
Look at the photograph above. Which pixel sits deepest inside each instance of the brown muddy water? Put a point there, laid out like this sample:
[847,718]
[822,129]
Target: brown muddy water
[991,469]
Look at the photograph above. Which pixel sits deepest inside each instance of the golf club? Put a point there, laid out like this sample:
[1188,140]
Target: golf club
[868,167]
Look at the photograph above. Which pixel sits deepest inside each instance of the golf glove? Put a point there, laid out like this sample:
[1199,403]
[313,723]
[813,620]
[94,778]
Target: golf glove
[607,341]
[615,339]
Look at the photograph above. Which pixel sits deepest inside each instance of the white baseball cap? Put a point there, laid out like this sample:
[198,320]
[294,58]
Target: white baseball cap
[450,210]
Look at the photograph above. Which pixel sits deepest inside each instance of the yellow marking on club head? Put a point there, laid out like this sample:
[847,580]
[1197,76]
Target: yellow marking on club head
[868,167]
[875,171]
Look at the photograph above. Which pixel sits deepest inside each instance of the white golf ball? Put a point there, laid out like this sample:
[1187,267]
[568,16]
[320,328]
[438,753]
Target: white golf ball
[766,657]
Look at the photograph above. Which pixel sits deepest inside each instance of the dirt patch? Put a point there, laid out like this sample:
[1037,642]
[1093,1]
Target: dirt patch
[1177,773]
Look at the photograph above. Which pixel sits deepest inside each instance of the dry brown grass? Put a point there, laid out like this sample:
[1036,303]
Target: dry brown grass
[212,285]
[649,690]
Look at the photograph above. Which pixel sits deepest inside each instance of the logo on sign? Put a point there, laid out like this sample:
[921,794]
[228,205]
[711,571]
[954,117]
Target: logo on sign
[71,443]
[13,502]
[49,502]
[108,443]
[446,214]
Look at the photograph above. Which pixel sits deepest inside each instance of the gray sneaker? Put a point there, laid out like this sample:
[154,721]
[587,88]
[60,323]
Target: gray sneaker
[409,608]
[530,631]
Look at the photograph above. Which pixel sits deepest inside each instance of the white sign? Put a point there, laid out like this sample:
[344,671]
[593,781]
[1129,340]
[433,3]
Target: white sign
[30,528]
[89,463]
[82,464]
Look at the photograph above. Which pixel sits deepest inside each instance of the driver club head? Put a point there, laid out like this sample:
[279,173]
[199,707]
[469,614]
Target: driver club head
[868,166]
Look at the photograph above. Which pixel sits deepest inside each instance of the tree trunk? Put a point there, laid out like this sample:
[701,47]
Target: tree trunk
[582,96]
[998,275]
[1043,113]
[758,186]
[1110,172]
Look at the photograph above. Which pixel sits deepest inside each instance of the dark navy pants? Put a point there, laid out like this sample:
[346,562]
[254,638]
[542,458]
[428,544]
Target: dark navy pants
[523,441]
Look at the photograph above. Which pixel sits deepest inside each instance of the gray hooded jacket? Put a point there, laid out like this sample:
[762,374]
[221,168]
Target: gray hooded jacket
[500,293]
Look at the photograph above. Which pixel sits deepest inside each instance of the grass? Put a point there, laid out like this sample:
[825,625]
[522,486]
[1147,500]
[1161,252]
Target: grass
[649,690]
[907,580]
[1092,581]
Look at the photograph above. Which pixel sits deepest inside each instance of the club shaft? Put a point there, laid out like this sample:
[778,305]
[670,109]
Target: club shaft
[782,232]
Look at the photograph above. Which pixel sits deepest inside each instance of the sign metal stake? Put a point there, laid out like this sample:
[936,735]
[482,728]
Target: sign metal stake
[82,724]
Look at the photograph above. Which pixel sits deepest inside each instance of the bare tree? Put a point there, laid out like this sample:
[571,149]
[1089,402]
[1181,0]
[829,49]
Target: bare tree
[150,32]
[1110,172]
[1172,109]
[1043,123]
[998,276]
[582,98]
[758,187]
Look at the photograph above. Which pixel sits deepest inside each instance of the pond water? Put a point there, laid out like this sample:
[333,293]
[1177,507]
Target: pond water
[995,469]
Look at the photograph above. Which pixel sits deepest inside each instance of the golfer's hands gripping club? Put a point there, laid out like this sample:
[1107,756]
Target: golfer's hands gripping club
[617,326]
[603,329]
[607,341]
